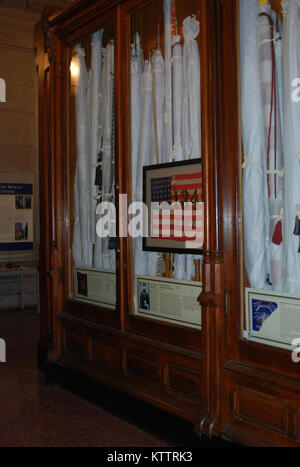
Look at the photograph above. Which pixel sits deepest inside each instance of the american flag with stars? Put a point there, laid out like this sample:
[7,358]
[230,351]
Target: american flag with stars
[182,188]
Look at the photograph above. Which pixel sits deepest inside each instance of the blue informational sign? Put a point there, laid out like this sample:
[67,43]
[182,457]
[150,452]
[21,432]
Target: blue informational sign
[15,189]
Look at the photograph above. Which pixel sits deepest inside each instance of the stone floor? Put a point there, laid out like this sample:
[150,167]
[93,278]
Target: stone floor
[34,415]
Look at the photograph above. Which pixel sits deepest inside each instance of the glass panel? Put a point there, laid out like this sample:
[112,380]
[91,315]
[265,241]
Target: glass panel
[165,128]
[92,157]
[270,117]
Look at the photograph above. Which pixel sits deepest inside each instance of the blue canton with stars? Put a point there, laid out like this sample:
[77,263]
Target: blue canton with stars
[161,190]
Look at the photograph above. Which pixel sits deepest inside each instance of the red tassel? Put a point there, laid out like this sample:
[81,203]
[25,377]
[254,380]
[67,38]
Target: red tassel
[277,238]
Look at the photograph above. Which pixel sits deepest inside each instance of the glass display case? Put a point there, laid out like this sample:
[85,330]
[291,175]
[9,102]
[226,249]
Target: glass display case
[147,102]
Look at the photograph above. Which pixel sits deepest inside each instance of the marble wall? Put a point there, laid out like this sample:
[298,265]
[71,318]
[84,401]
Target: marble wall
[19,132]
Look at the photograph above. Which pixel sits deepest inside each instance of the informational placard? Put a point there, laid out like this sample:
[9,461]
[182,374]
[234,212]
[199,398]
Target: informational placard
[95,286]
[272,318]
[169,300]
[16,213]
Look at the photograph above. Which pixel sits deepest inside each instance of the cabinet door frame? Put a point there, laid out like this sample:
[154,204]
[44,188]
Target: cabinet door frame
[174,334]
[73,30]
[253,373]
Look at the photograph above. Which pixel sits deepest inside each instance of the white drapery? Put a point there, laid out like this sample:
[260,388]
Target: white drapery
[273,145]
[177,74]
[137,65]
[94,123]
[146,153]
[291,141]
[158,73]
[104,257]
[161,119]
[81,248]
[168,83]
[108,255]
[96,67]
[191,79]
[156,156]
[254,205]
[184,266]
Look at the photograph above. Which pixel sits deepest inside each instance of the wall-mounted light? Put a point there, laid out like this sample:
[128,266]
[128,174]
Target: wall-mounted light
[75,71]
[2,90]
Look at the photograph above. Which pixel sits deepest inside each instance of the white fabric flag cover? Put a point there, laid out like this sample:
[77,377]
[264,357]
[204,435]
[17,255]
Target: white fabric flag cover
[191,79]
[168,83]
[108,255]
[273,144]
[192,91]
[178,155]
[158,73]
[98,244]
[187,106]
[137,65]
[104,258]
[96,65]
[254,147]
[177,74]
[145,155]
[291,142]
[82,252]
[156,156]
[76,247]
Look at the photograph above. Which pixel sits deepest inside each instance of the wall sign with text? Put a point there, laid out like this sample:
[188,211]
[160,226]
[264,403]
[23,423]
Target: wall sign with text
[16,212]
[272,318]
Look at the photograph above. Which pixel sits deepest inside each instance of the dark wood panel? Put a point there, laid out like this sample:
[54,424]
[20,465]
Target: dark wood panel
[105,354]
[262,377]
[297,421]
[75,343]
[142,366]
[184,381]
[92,313]
[261,409]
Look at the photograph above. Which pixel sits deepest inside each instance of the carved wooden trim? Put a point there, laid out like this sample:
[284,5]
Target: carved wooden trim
[259,374]
[210,299]
[209,425]
[212,257]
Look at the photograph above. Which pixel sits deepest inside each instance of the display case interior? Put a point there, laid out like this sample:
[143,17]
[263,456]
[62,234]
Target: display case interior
[91,171]
[165,109]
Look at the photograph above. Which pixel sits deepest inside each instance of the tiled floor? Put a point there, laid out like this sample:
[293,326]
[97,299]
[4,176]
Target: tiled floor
[33,415]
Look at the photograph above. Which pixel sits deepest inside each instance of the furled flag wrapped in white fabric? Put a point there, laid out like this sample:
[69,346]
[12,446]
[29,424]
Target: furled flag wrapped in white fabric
[156,156]
[254,205]
[146,151]
[82,252]
[291,141]
[178,155]
[192,98]
[96,65]
[177,74]
[104,257]
[191,79]
[273,144]
[137,65]
[108,255]
[168,82]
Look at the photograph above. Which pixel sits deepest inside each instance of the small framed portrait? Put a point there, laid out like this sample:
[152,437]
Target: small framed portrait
[144,296]
[21,231]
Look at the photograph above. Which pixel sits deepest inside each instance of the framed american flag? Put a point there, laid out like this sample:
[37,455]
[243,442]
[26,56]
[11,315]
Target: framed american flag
[175,209]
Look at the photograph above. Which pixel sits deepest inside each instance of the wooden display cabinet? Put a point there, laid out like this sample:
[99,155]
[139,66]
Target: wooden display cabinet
[225,385]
